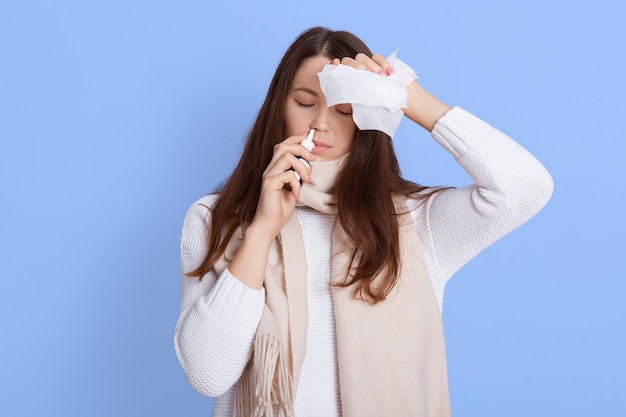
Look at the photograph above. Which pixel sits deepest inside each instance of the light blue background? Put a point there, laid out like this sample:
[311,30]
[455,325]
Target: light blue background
[116,115]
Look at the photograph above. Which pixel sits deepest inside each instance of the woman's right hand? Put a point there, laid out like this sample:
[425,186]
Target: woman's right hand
[280,188]
[275,208]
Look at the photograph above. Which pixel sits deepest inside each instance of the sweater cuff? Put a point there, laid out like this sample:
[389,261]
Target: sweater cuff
[236,305]
[458,130]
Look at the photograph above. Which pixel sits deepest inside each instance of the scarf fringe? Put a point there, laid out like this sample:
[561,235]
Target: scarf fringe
[268,382]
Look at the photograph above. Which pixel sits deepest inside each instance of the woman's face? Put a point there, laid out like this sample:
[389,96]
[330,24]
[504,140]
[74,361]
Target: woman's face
[306,109]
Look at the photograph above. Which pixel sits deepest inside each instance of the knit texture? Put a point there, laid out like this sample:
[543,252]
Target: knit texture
[213,345]
[319,370]
[408,376]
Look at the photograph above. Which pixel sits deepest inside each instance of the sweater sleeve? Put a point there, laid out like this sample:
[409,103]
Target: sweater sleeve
[510,186]
[218,317]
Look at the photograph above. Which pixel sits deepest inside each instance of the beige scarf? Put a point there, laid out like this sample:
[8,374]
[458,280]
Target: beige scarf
[391,355]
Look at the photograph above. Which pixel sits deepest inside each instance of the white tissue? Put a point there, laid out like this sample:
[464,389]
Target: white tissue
[377,100]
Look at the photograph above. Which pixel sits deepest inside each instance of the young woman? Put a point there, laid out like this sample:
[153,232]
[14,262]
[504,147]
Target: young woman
[324,299]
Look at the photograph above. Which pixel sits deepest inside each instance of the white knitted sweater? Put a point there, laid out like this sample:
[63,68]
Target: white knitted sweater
[219,317]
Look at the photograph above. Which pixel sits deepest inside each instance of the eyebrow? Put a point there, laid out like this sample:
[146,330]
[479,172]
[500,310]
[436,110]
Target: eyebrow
[306,90]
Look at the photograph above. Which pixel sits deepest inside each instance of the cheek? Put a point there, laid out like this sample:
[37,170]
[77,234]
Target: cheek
[294,119]
[289,119]
[347,131]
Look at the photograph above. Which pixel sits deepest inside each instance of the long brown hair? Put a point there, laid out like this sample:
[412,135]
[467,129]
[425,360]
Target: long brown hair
[365,187]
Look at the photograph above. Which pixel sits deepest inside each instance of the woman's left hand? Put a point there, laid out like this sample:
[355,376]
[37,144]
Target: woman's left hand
[377,63]
[422,107]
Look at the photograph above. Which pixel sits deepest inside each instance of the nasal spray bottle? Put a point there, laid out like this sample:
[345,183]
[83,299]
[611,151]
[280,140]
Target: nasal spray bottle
[309,145]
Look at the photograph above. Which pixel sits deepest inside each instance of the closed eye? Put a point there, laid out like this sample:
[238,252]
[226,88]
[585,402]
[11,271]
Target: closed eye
[343,109]
[305,105]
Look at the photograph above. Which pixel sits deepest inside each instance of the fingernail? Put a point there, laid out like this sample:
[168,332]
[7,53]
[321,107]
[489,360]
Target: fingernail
[383,73]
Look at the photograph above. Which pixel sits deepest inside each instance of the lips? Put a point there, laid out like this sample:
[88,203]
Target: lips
[320,147]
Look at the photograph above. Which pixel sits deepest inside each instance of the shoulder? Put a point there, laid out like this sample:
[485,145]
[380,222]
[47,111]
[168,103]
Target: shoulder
[422,198]
[208,201]
[202,207]
[197,221]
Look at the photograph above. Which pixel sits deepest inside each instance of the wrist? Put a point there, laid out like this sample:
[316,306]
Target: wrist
[260,234]
[423,108]
[248,264]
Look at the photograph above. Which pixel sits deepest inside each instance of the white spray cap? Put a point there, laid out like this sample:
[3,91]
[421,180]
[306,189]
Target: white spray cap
[308,141]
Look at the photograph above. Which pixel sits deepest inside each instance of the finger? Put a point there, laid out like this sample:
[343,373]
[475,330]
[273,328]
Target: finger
[303,151]
[303,168]
[370,64]
[292,145]
[384,64]
[286,181]
[289,145]
[281,162]
[289,162]
[297,138]
[294,185]
[351,62]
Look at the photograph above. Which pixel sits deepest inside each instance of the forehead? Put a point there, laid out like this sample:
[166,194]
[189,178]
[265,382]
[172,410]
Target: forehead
[306,74]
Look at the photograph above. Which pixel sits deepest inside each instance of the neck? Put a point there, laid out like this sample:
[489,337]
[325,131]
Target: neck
[320,192]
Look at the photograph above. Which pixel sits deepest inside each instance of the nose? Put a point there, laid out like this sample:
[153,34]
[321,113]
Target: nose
[321,121]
